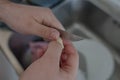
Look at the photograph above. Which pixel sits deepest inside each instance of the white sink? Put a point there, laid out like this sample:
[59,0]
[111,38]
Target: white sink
[99,61]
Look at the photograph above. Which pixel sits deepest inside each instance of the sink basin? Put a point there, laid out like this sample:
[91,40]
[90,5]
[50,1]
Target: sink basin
[85,19]
[99,61]
[94,19]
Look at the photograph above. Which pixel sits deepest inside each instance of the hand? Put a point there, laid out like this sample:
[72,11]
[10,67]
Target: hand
[38,49]
[30,20]
[55,64]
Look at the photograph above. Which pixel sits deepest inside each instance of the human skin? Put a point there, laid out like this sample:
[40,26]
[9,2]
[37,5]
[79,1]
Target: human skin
[30,20]
[54,62]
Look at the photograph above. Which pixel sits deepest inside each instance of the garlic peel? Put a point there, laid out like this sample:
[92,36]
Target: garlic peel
[59,40]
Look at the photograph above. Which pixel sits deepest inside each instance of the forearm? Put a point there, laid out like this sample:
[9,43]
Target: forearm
[4,2]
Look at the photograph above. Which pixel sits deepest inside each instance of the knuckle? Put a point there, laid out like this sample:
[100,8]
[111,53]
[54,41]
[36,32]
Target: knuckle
[47,33]
[44,33]
[53,32]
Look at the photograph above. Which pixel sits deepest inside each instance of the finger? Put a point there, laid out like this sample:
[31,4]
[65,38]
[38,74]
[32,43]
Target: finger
[38,49]
[49,19]
[37,54]
[37,45]
[52,21]
[44,31]
[72,60]
[53,53]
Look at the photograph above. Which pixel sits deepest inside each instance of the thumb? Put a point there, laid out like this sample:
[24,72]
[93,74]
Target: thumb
[53,53]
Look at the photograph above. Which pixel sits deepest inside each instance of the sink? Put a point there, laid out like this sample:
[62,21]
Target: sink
[83,18]
[7,72]
[94,19]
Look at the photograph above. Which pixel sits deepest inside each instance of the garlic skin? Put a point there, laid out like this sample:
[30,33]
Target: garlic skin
[59,40]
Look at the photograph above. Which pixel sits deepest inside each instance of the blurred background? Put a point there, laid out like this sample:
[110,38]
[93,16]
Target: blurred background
[98,20]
